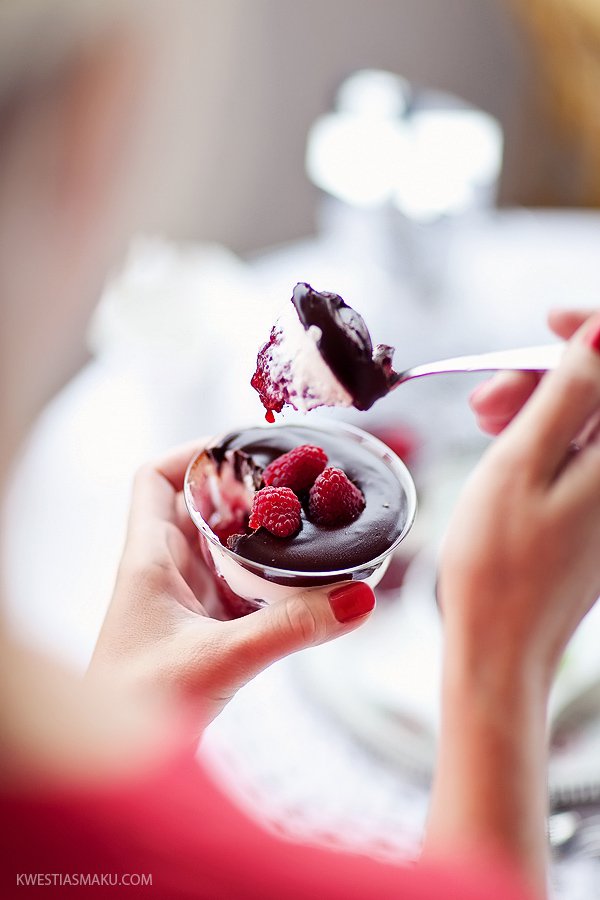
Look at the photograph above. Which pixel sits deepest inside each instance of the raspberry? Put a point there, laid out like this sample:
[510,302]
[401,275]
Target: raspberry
[296,469]
[272,392]
[334,499]
[277,509]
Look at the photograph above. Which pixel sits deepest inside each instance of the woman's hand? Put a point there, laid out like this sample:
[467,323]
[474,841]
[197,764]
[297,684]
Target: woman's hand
[521,550]
[497,401]
[519,570]
[158,635]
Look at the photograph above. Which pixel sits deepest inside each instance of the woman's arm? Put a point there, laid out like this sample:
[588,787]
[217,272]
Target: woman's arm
[518,573]
[490,790]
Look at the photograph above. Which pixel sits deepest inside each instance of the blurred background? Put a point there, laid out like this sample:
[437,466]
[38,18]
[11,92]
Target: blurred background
[533,64]
[437,163]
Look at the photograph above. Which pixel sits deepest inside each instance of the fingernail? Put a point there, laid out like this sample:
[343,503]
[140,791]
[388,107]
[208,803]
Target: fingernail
[352,601]
[592,339]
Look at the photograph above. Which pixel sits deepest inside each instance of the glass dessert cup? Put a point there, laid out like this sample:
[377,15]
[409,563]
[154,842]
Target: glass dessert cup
[244,585]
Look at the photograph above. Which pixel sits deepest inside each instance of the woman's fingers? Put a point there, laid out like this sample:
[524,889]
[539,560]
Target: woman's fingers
[294,623]
[173,465]
[565,322]
[497,401]
[157,485]
[153,498]
[158,482]
[561,406]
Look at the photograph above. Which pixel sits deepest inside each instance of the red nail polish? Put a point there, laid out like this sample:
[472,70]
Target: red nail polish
[592,339]
[351,601]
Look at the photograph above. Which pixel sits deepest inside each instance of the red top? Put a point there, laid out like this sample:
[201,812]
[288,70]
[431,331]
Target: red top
[175,825]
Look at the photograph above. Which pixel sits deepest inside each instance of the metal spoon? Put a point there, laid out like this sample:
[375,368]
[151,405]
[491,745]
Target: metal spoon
[536,359]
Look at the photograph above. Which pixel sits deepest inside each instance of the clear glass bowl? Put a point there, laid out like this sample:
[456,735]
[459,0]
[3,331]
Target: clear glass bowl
[244,585]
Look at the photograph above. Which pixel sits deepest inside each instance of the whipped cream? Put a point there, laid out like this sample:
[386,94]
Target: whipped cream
[320,353]
[296,362]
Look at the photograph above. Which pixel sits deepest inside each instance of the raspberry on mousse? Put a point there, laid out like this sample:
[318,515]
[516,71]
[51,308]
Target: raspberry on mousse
[334,499]
[277,509]
[296,469]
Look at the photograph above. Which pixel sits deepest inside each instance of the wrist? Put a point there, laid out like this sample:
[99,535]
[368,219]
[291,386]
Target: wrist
[510,703]
[490,791]
[494,664]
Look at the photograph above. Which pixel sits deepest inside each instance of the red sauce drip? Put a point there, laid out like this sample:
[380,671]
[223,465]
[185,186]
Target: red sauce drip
[270,416]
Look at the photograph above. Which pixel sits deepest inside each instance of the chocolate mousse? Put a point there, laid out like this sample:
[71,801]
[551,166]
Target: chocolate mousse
[320,353]
[239,460]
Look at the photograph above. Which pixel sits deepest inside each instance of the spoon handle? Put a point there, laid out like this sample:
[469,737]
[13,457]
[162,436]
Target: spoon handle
[537,359]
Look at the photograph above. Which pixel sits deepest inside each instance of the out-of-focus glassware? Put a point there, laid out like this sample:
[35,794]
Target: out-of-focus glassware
[355,153]
[407,163]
